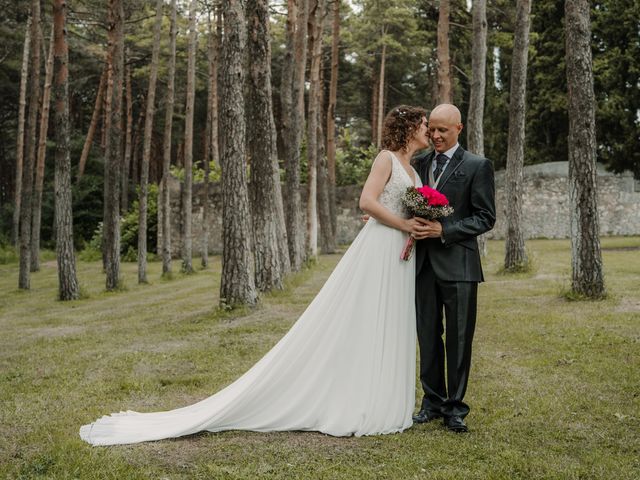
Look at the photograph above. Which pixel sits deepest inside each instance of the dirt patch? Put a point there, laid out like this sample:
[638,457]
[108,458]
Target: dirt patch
[628,305]
[55,332]
[619,249]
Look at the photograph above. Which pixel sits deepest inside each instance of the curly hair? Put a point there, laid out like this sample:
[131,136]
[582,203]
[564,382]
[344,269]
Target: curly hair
[399,126]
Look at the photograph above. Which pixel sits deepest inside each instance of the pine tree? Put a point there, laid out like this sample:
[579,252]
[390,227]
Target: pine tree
[237,285]
[146,148]
[587,276]
[26,203]
[68,288]
[113,150]
[515,253]
[270,240]
[165,206]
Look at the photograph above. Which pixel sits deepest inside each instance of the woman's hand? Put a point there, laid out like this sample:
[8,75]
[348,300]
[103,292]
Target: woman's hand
[416,229]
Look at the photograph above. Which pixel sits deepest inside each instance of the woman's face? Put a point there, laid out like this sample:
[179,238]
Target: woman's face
[421,135]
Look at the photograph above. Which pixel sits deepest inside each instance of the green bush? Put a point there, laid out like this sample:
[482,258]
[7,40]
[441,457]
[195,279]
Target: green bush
[8,254]
[215,172]
[353,162]
[129,232]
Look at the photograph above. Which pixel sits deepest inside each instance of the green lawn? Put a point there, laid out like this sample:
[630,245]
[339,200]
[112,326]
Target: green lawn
[554,389]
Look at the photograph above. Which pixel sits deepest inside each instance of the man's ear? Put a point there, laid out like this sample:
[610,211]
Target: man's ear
[460,126]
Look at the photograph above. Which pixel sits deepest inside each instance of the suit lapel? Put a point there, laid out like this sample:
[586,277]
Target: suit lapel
[425,165]
[454,164]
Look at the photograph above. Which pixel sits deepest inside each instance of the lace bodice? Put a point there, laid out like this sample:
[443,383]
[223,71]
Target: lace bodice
[399,180]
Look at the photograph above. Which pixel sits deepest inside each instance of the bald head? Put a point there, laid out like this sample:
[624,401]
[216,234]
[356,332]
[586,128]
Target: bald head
[446,112]
[445,125]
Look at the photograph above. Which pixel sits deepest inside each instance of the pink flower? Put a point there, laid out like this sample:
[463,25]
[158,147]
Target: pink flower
[434,198]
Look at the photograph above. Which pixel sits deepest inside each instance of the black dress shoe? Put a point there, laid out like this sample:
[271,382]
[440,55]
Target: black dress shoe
[455,424]
[424,416]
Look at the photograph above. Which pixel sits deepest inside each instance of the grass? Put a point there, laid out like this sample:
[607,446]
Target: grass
[554,390]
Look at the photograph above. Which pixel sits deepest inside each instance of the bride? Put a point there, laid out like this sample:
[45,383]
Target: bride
[347,366]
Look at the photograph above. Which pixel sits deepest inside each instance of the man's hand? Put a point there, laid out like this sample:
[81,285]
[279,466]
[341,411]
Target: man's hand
[429,228]
[416,229]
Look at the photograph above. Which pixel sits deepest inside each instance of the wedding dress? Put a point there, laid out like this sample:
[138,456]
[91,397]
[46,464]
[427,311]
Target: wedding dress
[346,367]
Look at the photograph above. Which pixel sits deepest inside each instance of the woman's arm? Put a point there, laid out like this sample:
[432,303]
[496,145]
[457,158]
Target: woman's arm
[373,187]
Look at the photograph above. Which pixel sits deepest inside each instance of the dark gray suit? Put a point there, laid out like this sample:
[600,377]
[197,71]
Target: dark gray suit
[448,271]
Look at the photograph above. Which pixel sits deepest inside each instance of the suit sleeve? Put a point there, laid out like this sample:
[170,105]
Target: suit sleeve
[483,209]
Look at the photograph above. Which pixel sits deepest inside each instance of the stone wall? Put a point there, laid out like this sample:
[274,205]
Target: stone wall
[545,207]
[349,216]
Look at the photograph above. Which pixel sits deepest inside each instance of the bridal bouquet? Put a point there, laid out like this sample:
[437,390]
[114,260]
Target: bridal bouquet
[424,202]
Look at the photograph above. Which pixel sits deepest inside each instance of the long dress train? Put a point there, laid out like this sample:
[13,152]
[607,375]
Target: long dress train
[346,367]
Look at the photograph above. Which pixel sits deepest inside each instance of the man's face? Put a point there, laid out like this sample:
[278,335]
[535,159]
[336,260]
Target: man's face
[444,132]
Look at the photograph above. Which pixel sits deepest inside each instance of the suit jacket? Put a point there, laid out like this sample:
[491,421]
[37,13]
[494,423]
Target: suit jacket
[468,183]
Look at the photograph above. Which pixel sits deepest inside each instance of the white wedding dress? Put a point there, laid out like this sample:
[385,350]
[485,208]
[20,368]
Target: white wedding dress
[346,367]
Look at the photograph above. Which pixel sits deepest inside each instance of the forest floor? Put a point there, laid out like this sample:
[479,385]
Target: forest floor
[554,389]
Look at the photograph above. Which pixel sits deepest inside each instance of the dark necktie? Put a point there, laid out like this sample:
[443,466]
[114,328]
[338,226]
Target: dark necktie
[441,159]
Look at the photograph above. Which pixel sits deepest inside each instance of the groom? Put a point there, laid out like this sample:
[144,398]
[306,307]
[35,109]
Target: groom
[448,268]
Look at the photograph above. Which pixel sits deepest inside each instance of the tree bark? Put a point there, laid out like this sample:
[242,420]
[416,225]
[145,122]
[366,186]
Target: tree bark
[187,193]
[381,87]
[97,109]
[292,98]
[113,150]
[22,108]
[211,135]
[166,157]
[327,238]
[444,62]
[41,158]
[237,284]
[269,235]
[374,108]
[68,288]
[515,253]
[331,113]
[146,148]
[26,204]
[475,117]
[126,168]
[316,13]
[587,276]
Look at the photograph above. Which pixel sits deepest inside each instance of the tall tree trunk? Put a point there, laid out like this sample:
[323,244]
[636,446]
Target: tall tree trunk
[211,141]
[381,87]
[138,135]
[237,285]
[146,148]
[515,254]
[331,114]
[26,204]
[126,167]
[316,13]
[475,118]
[22,108]
[475,130]
[41,158]
[292,98]
[68,288]
[113,150]
[97,109]
[270,242]
[587,276]
[187,193]
[374,107]
[165,204]
[444,62]
[327,238]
